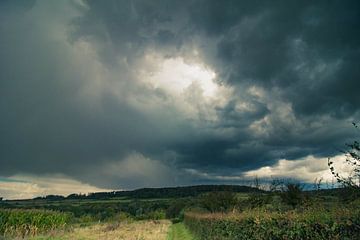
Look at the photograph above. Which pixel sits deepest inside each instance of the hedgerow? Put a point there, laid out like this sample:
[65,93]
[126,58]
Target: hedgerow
[259,224]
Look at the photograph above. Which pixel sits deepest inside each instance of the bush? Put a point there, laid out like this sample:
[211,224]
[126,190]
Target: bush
[292,194]
[218,201]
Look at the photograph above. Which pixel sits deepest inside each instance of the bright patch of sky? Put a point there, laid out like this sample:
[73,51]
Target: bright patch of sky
[27,186]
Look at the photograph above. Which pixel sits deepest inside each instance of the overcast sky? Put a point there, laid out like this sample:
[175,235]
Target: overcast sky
[99,95]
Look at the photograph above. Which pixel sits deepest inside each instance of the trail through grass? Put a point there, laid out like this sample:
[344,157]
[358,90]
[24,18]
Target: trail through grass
[178,231]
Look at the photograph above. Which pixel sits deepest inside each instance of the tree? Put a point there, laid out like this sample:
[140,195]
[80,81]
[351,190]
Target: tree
[352,154]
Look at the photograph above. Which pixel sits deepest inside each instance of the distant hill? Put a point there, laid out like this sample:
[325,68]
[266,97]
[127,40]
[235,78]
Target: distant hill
[168,192]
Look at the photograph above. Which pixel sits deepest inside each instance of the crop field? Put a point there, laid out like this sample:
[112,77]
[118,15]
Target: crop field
[31,222]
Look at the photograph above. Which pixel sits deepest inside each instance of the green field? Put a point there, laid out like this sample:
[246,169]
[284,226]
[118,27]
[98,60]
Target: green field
[19,222]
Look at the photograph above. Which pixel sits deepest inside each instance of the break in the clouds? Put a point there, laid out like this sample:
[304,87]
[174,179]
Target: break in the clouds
[27,186]
[125,94]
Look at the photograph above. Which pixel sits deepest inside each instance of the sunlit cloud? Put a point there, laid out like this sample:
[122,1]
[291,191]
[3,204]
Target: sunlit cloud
[26,186]
[307,169]
[175,75]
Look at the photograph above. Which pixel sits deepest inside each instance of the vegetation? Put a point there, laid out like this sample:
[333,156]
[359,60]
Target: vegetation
[259,224]
[151,193]
[31,222]
[218,201]
[179,231]
[285,211]
[351,183]
[293,194]
[352,154]
[129,230]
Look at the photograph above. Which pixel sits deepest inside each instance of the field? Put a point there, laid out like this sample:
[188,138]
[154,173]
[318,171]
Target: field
[135,230]
[214,215]
[31,222]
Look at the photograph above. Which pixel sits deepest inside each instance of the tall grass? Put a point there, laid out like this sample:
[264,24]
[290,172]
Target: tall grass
[19,222]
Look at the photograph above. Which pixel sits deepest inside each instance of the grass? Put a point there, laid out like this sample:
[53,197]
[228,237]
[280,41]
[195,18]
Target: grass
[132,230]
[178,231]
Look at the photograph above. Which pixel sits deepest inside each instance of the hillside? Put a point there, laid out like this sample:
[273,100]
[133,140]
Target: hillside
[168,192]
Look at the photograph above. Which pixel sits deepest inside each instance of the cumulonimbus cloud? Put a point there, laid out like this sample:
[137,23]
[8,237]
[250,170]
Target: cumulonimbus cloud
[78,88]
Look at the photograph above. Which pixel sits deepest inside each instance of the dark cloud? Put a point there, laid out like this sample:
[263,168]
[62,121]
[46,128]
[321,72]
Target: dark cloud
[72,101]
[308,50]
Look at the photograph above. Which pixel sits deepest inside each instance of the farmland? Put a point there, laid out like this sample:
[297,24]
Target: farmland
[14,223]
[212,214]
[127,230]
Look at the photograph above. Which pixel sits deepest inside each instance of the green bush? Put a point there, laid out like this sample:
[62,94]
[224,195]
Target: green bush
[292,194]
[18,222]
[258,224]
[218,201]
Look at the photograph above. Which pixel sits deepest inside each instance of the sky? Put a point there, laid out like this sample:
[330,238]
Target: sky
[124,94]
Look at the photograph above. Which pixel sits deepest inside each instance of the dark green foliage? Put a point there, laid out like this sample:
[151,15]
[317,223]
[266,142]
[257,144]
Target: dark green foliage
[95,210]
[257,200]
[292,194]
[175,210]
[218,201]
[349,194]
[171,192]
[51,198]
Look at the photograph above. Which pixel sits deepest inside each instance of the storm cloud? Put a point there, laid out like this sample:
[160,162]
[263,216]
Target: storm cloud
[125,94]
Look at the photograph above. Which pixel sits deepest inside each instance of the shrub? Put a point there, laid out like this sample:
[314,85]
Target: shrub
[218,201]
[292,194]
